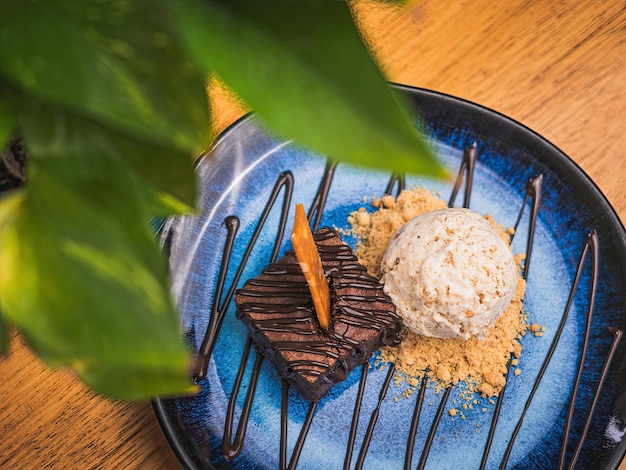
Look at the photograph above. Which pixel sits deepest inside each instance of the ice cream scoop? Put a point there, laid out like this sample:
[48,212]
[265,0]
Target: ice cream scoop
[449,273]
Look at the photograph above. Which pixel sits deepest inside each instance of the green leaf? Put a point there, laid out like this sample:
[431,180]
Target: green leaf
[112,113]
[9,205]
[165,171]
[7,123]
[301,65]
[81,275]
[115,61]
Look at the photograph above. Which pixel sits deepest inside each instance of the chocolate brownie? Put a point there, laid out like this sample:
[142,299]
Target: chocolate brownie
[278,310]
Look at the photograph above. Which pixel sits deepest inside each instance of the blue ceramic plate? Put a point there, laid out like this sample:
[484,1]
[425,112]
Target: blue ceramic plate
[576,288]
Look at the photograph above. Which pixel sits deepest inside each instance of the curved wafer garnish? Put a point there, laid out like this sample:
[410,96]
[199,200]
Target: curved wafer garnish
[311,264]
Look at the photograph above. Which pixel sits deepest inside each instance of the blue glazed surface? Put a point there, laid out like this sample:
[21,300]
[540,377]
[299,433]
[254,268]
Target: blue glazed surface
[237,178]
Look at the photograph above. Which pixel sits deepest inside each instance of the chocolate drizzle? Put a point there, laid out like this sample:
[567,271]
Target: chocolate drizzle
[373,418]
[617,337]
[467,170]
[408,456]
[285,180]
[533,192]
[231,448]
[284,413]
[217,313]
[396,180]
[355,420]
[433,429]
[591,243]
[319,202]
[494,420]
[354,317]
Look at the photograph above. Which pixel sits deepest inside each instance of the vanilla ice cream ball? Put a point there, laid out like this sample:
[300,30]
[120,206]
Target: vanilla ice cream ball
[449,274]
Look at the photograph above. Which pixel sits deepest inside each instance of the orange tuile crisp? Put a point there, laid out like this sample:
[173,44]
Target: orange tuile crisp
[311,264]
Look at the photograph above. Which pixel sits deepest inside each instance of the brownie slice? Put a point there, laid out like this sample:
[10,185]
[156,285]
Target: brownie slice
[278,310]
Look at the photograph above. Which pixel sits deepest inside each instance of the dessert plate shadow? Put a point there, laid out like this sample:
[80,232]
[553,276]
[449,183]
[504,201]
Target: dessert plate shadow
[249,184]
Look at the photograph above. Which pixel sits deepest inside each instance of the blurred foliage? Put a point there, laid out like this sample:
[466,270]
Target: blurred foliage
[109,97]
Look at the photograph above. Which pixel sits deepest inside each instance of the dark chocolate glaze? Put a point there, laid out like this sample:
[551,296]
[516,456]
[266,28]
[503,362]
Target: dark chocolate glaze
[354,285]
[277,308]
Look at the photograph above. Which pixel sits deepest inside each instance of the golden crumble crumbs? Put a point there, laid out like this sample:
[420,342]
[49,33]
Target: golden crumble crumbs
[480,363]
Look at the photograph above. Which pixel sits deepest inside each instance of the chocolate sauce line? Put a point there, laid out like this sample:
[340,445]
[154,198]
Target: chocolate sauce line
[592,246]
[495,417]
[232,448]
[319,201]
[617,337]
[408,457]
[201,363]
[533,192]
[374,418]
[232,224]
[284,180]
[398,179]
[433,429]
[284,412]
[467,168]
[551,350]
[355,416]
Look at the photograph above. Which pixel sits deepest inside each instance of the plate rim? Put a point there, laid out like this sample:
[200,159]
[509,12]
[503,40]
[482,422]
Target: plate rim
[184,447]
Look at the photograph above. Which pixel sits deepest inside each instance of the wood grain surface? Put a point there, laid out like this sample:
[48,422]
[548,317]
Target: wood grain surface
[559,67]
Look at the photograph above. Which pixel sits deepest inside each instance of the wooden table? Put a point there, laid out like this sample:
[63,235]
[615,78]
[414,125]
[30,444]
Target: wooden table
[558,67]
